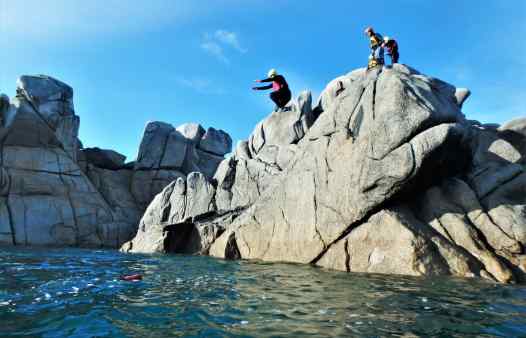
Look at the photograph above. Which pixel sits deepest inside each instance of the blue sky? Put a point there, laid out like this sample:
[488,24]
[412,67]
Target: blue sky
[179,61]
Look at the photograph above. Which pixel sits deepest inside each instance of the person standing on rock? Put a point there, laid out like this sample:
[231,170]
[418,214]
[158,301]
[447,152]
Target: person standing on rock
[376,58]
[392,49]
[281,94]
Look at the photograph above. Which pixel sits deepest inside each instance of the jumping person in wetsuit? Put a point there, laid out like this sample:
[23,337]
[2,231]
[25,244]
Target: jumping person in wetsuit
[281,94]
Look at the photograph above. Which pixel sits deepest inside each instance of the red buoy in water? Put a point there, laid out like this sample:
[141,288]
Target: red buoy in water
[131,278]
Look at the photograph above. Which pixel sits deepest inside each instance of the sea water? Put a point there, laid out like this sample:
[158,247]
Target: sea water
[78,293]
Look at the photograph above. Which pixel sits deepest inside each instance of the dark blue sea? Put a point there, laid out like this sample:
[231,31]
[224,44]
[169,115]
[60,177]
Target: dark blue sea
[78,293]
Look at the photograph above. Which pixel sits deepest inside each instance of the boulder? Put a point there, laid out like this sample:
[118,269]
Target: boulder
[216,142]
[42,89]
[514,132]
[103,158]
[52,101]
[153,145]
[176,205]
[175,151]
[192,131]
[182,150]
[461,95]
[392,241]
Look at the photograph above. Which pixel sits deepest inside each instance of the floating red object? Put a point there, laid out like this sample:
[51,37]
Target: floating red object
[132,278]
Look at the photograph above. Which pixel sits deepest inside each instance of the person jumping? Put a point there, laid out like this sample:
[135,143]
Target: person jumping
[376,58]
[392,49]
[281,94]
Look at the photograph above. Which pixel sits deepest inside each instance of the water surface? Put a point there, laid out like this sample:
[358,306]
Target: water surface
[77,293]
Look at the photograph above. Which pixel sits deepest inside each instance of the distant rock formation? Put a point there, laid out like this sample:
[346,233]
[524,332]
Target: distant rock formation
[53,192]
[383,175]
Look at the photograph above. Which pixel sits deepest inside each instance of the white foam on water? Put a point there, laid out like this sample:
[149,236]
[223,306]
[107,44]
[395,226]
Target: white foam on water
[47,295]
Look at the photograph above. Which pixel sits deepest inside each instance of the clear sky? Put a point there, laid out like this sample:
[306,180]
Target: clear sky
[133,61]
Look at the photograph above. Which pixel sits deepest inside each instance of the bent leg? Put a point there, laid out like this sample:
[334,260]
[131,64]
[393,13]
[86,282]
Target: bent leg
[281,97]
[274,96]
[285,97]
[395,57]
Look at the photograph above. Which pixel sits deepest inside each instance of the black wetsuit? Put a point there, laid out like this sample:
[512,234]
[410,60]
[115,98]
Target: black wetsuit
[281,94]
[392,51]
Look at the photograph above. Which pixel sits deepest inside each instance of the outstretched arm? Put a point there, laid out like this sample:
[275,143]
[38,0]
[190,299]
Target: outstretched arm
[267,80]
[262,88]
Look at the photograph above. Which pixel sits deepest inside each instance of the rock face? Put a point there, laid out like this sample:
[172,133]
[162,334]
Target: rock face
[54,193]
[384,175]
[46,199]
[102,158]
[167,153]
[207,209]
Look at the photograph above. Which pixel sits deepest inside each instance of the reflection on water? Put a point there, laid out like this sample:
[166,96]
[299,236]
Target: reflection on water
[58,293]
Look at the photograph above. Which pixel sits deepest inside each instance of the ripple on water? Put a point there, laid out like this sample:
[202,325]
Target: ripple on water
[60,293]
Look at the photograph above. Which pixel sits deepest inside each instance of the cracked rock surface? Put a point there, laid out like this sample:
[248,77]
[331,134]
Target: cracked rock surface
[383,175]
[54,193]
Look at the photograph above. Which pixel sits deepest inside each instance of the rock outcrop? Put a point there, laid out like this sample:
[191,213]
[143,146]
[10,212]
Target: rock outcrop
[192,215]
[46,199]
[383,175]
[53,192]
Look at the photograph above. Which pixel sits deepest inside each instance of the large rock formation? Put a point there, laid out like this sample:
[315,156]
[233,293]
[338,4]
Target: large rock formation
[188,216]
[52,192]
[46,199]
[384,175]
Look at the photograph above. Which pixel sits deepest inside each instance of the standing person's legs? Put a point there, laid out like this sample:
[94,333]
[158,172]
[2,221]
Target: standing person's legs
[395,57]
[379,55]
[390,58]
